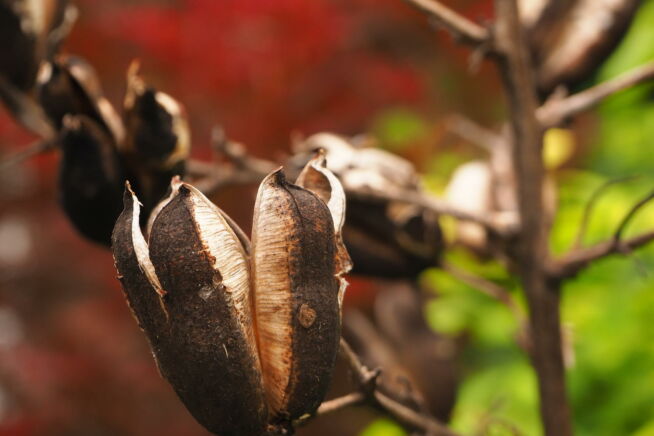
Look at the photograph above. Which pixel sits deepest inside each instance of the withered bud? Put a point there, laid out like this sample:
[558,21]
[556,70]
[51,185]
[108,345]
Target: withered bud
[247,337]
[30,31]
[68,85]
[90,178]
[385,238]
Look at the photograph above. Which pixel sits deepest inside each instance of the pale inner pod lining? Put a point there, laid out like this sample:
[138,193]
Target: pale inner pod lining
[141,249]
[272,237]
[229,257]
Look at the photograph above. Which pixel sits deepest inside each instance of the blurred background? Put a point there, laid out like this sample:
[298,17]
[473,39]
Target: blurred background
[72,359]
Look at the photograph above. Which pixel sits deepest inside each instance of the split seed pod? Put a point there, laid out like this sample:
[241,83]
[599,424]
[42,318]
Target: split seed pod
[157,141]
[246,337]
[385,238]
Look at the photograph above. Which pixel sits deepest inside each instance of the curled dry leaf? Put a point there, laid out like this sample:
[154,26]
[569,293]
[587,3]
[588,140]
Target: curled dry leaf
[246,337]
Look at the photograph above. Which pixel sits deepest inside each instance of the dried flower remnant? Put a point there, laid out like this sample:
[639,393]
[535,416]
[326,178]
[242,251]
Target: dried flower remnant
[246,336]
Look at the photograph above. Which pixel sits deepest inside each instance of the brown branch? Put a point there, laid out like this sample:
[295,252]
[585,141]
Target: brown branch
[595,196]
[460,26]
[556,111]
[531,252]
[349,400]
[574,262]
[489,222]
[409,417]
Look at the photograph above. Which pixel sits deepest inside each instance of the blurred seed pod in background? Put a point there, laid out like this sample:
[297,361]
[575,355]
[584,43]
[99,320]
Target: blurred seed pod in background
[158,139]
[384,238]
[68,85]
[247,336]
[91,178]
[571,39]
[30,31]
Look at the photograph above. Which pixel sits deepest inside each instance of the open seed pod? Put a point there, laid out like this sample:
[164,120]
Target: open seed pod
[247,337]
[90,178]
[157,141]
[385,238]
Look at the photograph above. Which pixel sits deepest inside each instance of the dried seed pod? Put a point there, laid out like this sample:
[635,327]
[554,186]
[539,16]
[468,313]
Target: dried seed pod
[570,39]
[69,85]
[90,178]
[385,238]
[248,343]
[201,326]
[296,295]
[157,141]
[31,31]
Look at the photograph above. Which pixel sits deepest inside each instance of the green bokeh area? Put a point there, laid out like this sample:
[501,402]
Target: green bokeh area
[608,310]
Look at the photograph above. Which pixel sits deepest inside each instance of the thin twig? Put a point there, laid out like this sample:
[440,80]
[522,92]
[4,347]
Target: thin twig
[485,286]
[556,111]
[441,207]
[340,403]
[474,133]
[36,148]
[628,217]
[367,380]
[576,260]
[595,196]
[460,26]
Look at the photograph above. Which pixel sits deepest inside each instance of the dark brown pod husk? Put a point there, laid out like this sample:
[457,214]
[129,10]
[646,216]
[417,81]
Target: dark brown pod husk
[296,293]
[31,31]
[199,290]
[68,85]
[384,238]
[90,178]
[157,141]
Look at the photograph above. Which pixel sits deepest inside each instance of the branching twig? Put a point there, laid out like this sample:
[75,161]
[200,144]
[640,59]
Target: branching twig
[576,260]
[441,207]
[487,287]
[367,379]
[461,27]
[556,111]
[595,196]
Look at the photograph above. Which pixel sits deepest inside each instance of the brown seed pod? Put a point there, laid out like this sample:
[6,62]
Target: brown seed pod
[68,85]
[90,178]
[385,238]
[196,310]
[246,342]
[157,141]
[296,295]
